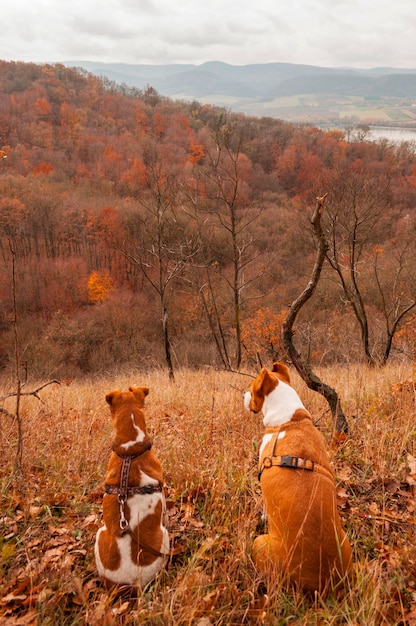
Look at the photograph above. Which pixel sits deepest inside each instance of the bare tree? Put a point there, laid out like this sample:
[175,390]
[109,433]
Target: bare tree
[357,222]
[302,366]
[158,240]
[224,212]
[17,395]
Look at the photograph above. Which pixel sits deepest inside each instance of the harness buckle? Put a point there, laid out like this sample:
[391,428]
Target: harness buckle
[289,461]
[124,523]
[309,465]
[148,489]
[297,462]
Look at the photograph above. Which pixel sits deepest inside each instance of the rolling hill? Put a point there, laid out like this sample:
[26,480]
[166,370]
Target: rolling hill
[286,90]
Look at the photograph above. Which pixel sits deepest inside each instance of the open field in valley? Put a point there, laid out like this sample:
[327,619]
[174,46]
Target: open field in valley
[320,108]
[207,443]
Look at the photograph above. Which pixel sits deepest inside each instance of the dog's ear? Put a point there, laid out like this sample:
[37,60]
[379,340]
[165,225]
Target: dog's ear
[265,383]
[112,395]
[282,371]
[140,393]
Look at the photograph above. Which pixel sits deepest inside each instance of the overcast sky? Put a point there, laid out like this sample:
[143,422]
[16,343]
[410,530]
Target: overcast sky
[331,33]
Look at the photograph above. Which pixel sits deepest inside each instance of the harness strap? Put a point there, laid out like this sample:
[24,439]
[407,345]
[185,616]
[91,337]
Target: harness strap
[124,478]
[291,462]
[147,489]
[294,462]
[131,491]
[123,490]
[147,548]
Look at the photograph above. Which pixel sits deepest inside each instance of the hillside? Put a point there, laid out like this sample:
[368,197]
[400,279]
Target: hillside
[147,241]
[139,231]
[291,91]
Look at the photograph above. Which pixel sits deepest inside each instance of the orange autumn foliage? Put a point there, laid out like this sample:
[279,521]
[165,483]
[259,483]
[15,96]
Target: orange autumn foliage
[100,285]
[43,168]
[197,152]
[262,334]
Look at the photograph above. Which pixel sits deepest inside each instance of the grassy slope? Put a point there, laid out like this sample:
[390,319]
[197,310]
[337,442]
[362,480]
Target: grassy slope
[207,444]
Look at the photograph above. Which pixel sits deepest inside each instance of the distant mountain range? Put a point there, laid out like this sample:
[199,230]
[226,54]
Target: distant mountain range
[254,88]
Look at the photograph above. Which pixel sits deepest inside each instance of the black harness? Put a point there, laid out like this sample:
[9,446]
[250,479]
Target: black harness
[131,491]
[123,491]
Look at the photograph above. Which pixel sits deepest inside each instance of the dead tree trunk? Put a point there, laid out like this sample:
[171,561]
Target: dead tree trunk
[303,368]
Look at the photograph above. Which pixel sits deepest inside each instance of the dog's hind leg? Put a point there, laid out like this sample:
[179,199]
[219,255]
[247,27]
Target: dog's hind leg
[265,553]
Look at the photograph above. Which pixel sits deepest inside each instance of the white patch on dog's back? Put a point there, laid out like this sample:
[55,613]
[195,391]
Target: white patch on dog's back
[130,573]
[139,438]
[268,438]
[143,504]
[264,443]
[147,480]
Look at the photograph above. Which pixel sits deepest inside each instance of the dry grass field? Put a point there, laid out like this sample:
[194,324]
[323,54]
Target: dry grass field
[207,443]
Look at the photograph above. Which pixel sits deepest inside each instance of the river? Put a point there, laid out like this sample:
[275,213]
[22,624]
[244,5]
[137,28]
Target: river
[392,133]
[396,134]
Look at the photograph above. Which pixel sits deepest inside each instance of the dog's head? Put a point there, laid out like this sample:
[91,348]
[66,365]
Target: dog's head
[264,383]
[119,398]
[127,415]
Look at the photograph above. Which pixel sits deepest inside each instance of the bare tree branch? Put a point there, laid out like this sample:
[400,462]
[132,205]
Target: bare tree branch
[303,368]
[35,393]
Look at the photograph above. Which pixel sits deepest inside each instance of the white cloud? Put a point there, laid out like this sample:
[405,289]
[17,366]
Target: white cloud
[359,33]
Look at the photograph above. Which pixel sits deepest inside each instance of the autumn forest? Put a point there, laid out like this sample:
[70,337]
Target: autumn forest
[137,231]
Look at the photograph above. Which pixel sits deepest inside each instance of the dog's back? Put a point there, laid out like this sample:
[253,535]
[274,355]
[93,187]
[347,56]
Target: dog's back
[132,545]
[304,527]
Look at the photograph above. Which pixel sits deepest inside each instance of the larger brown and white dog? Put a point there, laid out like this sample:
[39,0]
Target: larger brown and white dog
[305,543]
[132,546]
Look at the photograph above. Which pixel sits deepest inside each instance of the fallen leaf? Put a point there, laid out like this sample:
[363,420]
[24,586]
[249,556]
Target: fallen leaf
[258,608]
[391,485]
[35,511]
[342,497]
[209,601]
[90,520]
[121,610]
[99,613]
[11,598]
[374,508]
[27,619]
[189,511]
[337,440]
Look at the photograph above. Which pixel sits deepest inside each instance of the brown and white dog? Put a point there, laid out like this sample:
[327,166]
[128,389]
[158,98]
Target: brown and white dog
[132,546]
[306,543]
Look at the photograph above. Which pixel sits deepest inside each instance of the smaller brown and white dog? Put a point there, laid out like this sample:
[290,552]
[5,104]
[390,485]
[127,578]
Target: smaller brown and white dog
[305,543]
[132,546]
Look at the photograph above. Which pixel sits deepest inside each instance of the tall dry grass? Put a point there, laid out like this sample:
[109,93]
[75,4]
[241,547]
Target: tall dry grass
[207,444]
